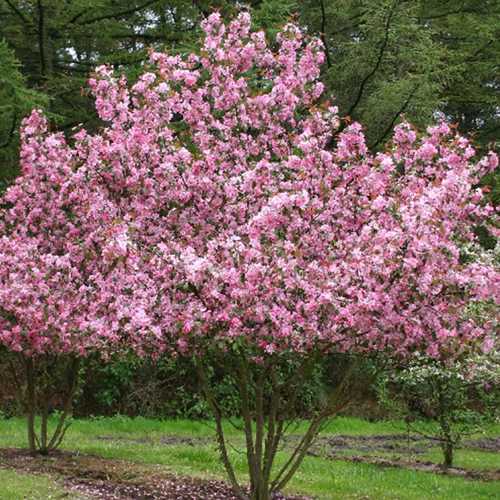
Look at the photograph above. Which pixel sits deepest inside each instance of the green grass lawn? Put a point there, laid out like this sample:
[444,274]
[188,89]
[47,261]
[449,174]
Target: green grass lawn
[468,459]
[16,486]
[139,440]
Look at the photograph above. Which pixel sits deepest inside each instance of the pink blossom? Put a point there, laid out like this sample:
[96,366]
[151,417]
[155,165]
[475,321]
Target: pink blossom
[256,221]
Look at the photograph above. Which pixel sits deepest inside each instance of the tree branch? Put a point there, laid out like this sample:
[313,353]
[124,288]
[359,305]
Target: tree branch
[221,440]
[41,41]
[478,51]
[18,13]
[113,15]
[323,33]
[465,10]
[145,36]
[379,59]
[243,383]
[395,117]
[68,405]
[11,131]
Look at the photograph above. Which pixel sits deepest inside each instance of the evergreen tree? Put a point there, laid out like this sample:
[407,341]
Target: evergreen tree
[389,58]
[59,43]
[16,99]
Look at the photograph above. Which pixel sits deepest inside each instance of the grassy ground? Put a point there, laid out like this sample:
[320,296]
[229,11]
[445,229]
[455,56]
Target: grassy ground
[15,486]
[157,442]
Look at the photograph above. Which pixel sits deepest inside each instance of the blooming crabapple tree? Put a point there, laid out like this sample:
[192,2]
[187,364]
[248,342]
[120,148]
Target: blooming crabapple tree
[271,235]
[244,224]
[63,265]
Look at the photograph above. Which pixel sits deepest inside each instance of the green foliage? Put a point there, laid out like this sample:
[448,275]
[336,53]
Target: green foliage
[394,58]
[445,402]
[270,15]
[16,99]
[469,31]
[168,387]
[129,385]
[383,63]
[60,43]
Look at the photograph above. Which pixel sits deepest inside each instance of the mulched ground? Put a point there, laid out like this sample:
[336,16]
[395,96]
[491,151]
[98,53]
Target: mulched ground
[485,444]
[176,488]
[104,479]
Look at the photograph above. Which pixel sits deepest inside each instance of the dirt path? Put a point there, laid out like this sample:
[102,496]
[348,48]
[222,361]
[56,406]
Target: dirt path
[103,479]
[167,440]
[399,443]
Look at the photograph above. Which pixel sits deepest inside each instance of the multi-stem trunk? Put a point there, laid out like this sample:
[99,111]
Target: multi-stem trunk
[37,396]
[447,442]
[267,407]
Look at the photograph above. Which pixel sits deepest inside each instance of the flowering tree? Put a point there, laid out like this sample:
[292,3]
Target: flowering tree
[62,269]
[255,228]
[271,235]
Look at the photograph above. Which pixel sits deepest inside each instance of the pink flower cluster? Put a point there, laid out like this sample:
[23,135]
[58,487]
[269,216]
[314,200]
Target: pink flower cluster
[221,202]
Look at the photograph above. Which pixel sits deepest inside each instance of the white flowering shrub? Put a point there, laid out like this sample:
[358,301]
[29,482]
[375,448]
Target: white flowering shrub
[444,402]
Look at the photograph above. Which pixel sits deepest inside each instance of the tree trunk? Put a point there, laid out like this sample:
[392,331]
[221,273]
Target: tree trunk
[43,427]
[62,426]
[447,448]
[30,401]
[447,442]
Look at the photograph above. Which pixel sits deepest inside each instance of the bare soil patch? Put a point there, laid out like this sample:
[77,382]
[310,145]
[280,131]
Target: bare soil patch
[104,479]
[397,443]
[485,444]
[167,440]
